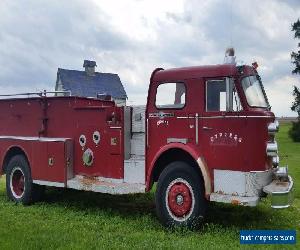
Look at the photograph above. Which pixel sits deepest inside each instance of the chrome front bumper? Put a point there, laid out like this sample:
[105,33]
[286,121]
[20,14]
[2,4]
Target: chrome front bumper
[246,188]
[281,192]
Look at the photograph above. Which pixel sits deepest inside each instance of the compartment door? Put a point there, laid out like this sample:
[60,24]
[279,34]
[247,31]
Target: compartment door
[52,160]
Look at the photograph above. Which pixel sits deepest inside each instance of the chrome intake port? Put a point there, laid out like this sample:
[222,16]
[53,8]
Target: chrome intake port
[272,148]
[273,127]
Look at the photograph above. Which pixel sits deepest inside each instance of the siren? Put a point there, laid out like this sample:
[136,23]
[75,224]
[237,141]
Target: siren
[255,65]
[229,56]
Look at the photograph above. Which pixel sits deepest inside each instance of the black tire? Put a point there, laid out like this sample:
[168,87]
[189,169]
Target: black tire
[188,209]
[19,186]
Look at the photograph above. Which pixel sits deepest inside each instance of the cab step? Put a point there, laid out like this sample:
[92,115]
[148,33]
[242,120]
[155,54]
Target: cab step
[105,185]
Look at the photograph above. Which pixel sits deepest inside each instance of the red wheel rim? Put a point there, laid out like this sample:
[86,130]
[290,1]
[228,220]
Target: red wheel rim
[17,182]
[180,199]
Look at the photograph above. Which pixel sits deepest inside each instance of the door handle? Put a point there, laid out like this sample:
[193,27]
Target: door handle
[207,128]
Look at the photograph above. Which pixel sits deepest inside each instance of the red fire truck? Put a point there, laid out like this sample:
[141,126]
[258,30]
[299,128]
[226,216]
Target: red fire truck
[206,134]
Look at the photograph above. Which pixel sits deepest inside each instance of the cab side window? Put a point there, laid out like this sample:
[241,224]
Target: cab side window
[170,95]
[216,95]
[221,95]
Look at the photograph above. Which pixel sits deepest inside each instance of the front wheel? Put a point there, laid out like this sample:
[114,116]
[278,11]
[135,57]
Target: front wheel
[179,196]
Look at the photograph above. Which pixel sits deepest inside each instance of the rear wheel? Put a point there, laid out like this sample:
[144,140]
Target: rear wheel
[19,186]
[180,197]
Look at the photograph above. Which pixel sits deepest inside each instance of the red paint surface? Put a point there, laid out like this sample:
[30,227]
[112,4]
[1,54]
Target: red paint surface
[66,117]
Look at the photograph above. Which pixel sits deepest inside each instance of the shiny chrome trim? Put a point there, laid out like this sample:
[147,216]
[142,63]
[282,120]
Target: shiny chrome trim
[275,160]
[260,171]
[228,94]
[160,115]
[272,148]
[29,138]
[283,197]
[273,127]
[115,127]
[185,117]
[221,116]
[197,128]
[179,140]
[289,188]
[281,172]
[237,116]
[147,131]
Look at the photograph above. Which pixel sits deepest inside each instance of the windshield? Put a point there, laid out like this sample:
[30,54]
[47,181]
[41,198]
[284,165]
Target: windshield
[254,92]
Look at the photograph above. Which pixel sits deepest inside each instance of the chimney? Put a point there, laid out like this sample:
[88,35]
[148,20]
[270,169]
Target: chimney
[89,67]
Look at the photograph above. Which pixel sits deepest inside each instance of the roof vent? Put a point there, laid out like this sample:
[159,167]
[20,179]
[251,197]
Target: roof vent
[229,56]
[89,67]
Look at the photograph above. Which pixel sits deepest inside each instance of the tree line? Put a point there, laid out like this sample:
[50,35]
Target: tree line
[294,132]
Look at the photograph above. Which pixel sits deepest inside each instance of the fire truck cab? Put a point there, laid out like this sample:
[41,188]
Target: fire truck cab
[206,134]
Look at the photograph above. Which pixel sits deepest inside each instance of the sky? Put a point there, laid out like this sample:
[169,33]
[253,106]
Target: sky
[133,37]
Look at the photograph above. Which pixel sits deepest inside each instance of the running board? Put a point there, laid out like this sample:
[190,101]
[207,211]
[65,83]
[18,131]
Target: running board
[98,185]
[250,201]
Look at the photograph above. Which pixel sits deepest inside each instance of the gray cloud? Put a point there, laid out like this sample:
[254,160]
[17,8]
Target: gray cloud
[50,34]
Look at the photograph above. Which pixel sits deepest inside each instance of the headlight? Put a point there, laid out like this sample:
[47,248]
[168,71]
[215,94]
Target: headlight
[272,148]
[273,127]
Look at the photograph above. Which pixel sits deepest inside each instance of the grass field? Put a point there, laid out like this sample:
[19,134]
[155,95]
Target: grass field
[78,220]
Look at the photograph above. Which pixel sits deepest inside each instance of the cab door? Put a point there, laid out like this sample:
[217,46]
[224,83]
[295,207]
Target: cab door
[167,122]
[222,125]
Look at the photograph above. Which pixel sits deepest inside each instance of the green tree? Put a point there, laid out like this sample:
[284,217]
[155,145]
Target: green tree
[295,130]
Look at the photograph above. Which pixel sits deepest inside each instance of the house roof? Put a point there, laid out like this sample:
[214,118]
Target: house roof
[81,84]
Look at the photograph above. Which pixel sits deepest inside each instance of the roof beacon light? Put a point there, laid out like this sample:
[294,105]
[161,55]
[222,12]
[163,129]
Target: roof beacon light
[255,65]
[229,56]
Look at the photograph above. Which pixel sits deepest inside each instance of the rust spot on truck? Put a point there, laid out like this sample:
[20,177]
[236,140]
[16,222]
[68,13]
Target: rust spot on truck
[89,181]
[235,202]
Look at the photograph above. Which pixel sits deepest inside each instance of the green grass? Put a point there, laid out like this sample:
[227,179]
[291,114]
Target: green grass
[79,220]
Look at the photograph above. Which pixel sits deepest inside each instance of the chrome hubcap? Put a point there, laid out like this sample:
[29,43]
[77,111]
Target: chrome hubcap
[179,199]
